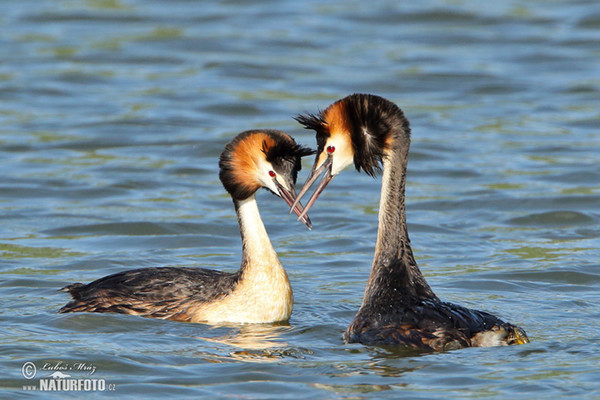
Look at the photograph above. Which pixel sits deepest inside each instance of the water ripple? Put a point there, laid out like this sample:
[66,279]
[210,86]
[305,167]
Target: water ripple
[114,114]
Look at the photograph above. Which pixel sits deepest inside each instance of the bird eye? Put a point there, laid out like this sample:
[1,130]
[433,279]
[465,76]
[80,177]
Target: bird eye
[330,149]
[272,174]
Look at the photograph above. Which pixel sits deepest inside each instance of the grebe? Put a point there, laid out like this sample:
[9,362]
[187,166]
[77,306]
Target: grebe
[399,307]
[259,292]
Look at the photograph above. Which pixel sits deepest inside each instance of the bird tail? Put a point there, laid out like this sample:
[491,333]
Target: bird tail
[74,290]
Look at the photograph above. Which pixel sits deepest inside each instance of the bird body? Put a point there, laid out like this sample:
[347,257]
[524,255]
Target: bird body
[399,307]
[258,292]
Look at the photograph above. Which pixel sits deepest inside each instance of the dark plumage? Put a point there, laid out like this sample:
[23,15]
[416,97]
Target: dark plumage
[151,292]
[429,323]
[399,306]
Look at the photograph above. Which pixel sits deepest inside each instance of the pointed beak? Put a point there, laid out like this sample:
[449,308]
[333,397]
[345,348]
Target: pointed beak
[325,170]
[289,196]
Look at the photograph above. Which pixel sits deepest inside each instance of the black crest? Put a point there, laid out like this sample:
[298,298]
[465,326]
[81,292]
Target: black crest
[373,121]
[318,124]
[285,156]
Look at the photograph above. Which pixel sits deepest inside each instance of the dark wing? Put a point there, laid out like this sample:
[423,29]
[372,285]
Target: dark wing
[156,292]
[424,324]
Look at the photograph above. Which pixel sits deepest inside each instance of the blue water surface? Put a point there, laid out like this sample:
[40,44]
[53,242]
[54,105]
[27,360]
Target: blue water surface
[113,114]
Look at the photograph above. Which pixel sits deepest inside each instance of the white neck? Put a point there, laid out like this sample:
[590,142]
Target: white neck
[263,292]
[257,247]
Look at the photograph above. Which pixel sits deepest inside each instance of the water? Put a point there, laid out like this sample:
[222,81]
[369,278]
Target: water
[113,114]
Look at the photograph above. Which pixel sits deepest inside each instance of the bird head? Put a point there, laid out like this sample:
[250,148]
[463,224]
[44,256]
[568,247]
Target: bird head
[263,158]
[360,129]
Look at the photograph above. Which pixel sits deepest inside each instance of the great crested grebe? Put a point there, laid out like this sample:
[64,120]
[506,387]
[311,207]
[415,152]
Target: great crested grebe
[258,292]
[398,306]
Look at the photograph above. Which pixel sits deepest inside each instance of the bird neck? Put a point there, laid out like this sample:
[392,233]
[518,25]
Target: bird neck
[257,250]
[394,272]
[262,292]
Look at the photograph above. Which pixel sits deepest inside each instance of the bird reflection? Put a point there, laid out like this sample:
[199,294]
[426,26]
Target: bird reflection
[256,343]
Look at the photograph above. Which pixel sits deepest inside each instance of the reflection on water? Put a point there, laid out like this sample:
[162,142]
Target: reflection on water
[364,388]
[113,115]
[255,343]
[253,336]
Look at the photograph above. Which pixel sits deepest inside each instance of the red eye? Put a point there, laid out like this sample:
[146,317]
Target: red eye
[330,149]
[272,174]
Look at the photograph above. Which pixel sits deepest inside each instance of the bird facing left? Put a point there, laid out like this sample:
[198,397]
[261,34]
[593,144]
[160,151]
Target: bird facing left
[259,292]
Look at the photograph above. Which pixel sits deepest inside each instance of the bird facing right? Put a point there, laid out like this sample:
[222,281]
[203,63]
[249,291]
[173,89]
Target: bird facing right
[399,307]
[259,292]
